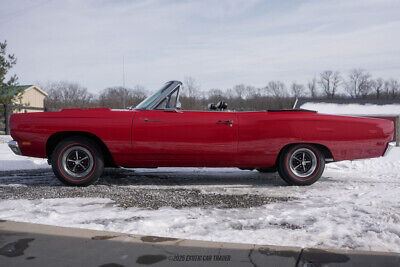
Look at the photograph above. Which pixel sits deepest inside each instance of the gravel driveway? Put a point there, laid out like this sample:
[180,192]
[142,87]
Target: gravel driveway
[150,189]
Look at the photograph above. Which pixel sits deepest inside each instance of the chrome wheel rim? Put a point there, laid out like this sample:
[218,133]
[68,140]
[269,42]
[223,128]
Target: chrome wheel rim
[303,162]
[77,161]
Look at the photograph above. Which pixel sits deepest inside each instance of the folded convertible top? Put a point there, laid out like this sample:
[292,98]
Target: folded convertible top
[298,109]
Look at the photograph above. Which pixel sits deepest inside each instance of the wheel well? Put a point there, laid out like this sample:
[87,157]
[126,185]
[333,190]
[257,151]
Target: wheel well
[58,137]
[324,150]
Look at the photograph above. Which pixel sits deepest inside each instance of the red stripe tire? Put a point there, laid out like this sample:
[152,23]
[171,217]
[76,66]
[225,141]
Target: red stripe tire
[77,161]
[301,164]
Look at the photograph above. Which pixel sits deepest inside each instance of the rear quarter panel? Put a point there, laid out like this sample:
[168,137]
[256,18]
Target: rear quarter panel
[262,135]
[32,130]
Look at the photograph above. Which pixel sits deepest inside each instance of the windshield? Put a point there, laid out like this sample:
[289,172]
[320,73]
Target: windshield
[145,103]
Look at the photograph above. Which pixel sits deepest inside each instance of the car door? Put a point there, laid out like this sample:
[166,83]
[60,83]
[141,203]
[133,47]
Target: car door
[260,139]
[184,138]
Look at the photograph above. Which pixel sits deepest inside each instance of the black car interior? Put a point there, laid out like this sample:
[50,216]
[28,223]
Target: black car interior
[221,105]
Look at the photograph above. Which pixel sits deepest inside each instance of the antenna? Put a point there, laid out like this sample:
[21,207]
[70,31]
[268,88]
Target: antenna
[123,71]
[123,80]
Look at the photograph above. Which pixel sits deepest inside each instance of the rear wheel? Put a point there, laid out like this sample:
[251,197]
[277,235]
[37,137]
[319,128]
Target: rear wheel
[77,161]
[301,164]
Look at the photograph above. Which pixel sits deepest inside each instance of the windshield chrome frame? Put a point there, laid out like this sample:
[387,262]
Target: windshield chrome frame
[171,88]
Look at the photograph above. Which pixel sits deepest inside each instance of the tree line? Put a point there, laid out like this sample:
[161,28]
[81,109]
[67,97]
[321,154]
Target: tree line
[358,83]
[66,94]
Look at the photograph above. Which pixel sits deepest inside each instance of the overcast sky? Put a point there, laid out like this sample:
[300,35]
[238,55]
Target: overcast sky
[220,43]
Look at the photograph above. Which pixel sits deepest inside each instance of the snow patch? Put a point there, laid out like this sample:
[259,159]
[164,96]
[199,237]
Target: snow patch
[9,161]
[361,218]
[353,109]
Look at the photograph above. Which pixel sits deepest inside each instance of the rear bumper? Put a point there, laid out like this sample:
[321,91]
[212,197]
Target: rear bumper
[388,148]
[14,147]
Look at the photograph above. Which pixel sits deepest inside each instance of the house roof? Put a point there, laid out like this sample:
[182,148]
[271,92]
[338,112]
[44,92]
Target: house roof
[25,87]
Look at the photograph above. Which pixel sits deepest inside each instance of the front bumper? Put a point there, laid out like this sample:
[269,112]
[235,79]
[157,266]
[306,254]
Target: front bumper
[14,147]
[388,148]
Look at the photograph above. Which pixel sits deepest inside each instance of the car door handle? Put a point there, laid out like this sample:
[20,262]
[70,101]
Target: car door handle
[224,122]
[147,120]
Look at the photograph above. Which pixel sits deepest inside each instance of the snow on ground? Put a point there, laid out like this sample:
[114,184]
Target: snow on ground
[353,109]
[10,161]
[355,205]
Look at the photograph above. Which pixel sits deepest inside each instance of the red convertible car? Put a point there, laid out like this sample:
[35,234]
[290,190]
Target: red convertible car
[79,143]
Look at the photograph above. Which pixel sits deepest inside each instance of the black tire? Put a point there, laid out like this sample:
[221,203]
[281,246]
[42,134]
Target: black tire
[77,161]
[267,170]
[301,164]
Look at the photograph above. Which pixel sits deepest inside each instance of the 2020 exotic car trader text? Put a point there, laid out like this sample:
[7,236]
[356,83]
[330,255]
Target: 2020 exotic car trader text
[79,143]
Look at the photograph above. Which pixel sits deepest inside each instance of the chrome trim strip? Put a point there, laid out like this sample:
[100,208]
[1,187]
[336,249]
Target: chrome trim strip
[13,145]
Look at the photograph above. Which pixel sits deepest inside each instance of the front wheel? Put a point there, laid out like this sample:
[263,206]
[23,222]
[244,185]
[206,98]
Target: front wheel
[77,161]
[301,164]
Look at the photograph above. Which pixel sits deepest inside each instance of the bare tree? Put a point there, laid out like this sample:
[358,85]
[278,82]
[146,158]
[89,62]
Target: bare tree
[67,95]
[231,93]
[250,91]
[358,84]
[190,86]
[377,86]
[329,82]
[120,97]
[312,87]
[239,90]
[297,89]
[393,88]
[276,89]
[139,92]
[215,95]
